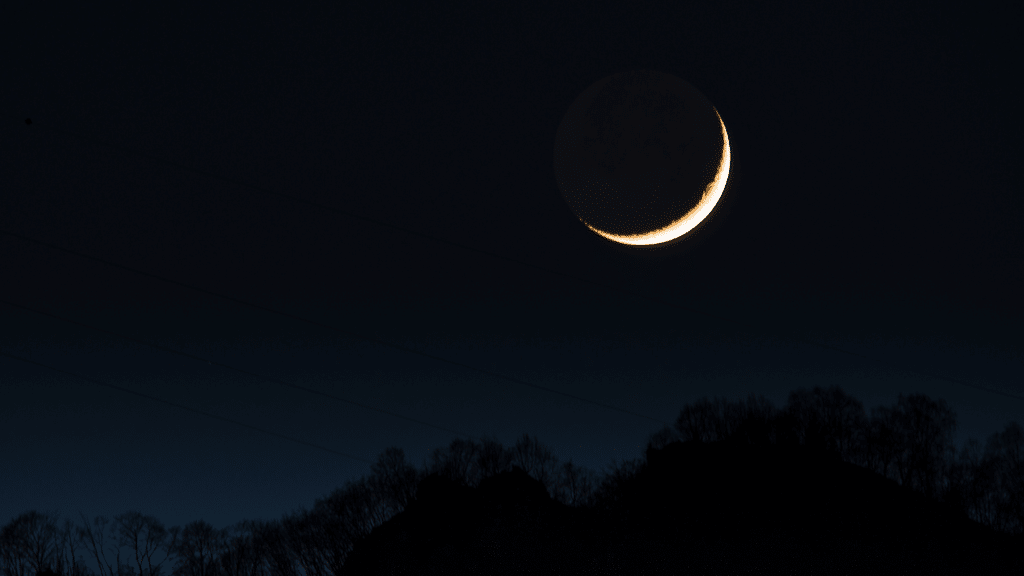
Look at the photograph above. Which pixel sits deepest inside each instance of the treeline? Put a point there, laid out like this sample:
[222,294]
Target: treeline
[309,542]
[910,442]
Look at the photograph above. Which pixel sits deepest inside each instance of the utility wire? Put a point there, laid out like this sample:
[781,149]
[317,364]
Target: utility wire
[183,407]
[246,372]
[346,332]
[439,240]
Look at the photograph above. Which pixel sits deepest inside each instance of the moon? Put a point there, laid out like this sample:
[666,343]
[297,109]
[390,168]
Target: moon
[642,158]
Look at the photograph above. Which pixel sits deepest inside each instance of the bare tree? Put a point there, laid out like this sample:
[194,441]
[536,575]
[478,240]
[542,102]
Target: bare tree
[883,442]
[270,543]
[70,564]
[1004,457]
[394,480]
[42,538]
[663,437]
[989,485]
[575,485]
[344,516]
[752,420]
[12,562]
[612,487]
[145,535]
[466,462]
[13,559]
[30,544]
[372,506]
[302,529]
[197,548]
[458,462]
[331,541]
[702,420]
[240,556]
[493,458]
[94,539]
[971,485]
[536,460]
[829,419]
[348,509]
[321,539]
[924,435]
[32,535]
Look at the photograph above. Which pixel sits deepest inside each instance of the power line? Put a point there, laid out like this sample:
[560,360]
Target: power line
[322,325]
[436,239]
[246,372]
[183,407]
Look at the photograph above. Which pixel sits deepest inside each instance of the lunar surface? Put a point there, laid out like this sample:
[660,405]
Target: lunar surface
[642,157]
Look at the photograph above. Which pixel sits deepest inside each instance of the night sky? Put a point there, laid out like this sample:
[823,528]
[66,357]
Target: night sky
[361,201]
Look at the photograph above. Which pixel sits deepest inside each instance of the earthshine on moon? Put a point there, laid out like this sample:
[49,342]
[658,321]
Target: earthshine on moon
[642,158]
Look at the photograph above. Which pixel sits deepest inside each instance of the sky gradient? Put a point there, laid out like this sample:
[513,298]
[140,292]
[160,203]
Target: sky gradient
[875,209]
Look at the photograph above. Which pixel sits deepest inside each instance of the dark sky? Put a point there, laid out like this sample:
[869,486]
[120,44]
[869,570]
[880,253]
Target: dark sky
[875,207]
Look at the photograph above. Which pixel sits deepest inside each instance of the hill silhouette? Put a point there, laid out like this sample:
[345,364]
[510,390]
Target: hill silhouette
[722,507]
[506,525]
[734,487]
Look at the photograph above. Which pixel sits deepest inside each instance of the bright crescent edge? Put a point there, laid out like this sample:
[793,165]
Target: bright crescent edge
[689,221]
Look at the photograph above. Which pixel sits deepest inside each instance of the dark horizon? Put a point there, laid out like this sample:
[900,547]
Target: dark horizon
[908,444]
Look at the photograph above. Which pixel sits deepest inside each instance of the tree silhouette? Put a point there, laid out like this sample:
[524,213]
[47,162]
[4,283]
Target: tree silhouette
[271,547]
[394,479]
[32,536]
[341,518]
[703,421]
[971,482]
[145,534]
[536,460]
[493,458]
[663,437]
[459,462]
[707,420]
[716,446]
[324,536]
[909,442]
[308,534]
[30,544]
[575,485]
[68,563]
[882,442]
[197,548]
[94,539]
[373,505]
[1004,463]
[753,421]
[466,462]
[615,483]
[826,419]
[915,441]
[320,539]
[241,556]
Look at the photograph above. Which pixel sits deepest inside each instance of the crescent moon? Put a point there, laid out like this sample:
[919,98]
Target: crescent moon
[712,194]
[642,158]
